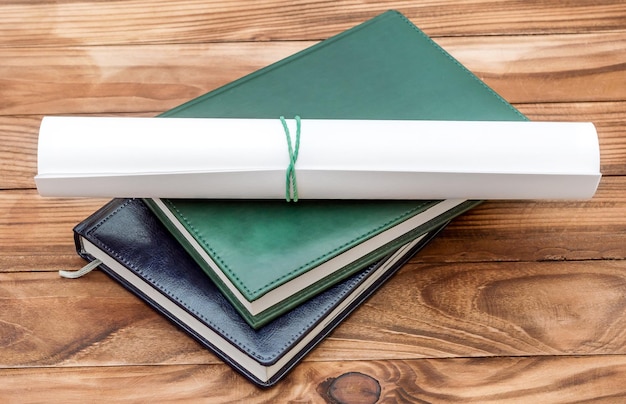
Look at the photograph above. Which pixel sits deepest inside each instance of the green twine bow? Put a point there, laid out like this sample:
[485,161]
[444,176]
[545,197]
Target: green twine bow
[291,188]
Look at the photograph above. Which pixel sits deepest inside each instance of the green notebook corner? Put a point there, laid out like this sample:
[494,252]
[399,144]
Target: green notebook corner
[385,68]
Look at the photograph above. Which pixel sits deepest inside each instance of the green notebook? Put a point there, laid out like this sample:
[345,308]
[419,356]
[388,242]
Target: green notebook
[265,256]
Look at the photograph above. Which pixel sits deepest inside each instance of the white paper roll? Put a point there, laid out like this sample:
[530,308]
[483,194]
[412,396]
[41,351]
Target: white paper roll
[338,159]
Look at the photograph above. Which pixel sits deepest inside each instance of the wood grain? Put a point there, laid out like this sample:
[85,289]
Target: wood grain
[48,321]
[535,231]
[36,233]
[549,68]
[492,309]
[95,22]
[425,311]
[515,301]
[18,151]
[126,79]
[597,379]
[115,79]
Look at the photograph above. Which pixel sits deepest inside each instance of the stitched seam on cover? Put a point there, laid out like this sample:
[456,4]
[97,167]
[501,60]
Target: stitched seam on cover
[463,68]
[107,217]
[321,258]
[200,315]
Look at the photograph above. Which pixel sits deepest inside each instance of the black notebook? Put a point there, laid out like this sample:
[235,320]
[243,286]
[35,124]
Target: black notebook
[140,253]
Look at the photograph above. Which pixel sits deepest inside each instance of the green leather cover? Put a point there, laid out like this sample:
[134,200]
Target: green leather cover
[260,245]
[385,68]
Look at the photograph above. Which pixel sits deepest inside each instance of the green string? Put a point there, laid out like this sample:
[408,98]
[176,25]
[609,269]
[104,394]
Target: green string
[291,188]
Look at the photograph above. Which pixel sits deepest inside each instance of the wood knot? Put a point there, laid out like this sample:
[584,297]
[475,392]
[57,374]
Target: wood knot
[350,388]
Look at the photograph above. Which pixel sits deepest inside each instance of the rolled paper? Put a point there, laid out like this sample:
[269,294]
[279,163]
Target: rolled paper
[337,159]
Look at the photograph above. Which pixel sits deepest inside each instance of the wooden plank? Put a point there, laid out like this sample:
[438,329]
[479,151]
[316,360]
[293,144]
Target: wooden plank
[50,321]
[425,311]
[18,151]
[537,230]
[485,380]
[18,137]
[125,79]
[70,22]
[552,68]
[114,79]
[491,309]
[36,233]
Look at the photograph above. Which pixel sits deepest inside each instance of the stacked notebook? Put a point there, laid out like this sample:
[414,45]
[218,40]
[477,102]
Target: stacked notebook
[260,283]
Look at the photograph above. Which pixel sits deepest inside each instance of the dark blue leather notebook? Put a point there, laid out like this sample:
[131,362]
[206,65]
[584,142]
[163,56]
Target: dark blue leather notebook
[138,251]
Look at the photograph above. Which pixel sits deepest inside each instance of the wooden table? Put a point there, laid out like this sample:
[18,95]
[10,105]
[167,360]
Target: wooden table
[514,301]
